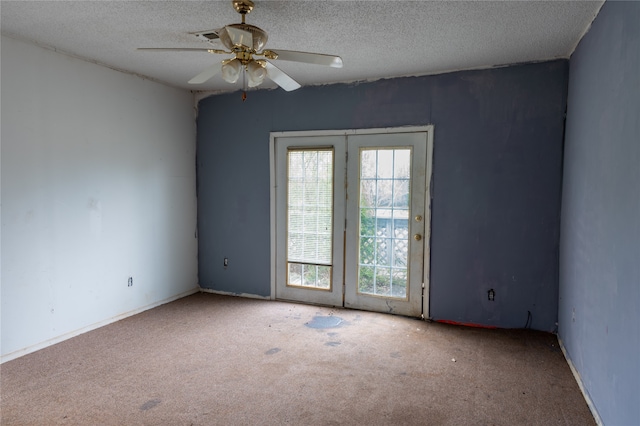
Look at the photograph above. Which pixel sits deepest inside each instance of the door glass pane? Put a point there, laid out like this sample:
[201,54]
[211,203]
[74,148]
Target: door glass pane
[384,228]
[309,217]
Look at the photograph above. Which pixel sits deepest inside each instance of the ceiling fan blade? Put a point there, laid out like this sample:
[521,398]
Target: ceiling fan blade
[239,37]
[308,58]
[183,49]
[207,74]
[280,78]
[176,49]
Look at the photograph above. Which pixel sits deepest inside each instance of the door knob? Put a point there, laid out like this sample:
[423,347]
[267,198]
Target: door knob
[417,237]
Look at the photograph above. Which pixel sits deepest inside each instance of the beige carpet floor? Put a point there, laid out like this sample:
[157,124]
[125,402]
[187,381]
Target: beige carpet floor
[215,360]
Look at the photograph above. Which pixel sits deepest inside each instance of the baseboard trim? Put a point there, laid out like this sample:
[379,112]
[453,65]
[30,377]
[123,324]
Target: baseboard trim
[228,293]
[586,396]
[33,348]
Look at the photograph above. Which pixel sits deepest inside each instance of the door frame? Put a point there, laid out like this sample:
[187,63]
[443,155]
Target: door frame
[428,129]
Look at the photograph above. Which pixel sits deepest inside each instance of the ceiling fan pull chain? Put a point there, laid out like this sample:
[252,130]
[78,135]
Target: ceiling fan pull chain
[244,82]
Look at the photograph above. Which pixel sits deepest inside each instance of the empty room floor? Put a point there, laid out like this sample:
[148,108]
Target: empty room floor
[208,359]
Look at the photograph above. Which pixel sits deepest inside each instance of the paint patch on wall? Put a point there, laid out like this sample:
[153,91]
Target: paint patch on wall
[95,217]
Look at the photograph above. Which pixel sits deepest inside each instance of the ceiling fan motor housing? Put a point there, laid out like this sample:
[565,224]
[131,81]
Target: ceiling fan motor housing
[258,34]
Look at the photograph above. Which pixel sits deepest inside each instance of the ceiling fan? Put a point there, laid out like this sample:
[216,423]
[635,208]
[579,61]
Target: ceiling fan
[246,42]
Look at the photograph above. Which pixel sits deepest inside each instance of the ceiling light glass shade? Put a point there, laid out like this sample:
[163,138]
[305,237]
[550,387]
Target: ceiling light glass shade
[256,73]
[245,35]
[231,70]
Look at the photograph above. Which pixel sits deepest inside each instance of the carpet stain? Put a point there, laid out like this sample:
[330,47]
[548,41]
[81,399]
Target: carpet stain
[332,343]
[330,321]
[396,355]
[272,351]
[150,404]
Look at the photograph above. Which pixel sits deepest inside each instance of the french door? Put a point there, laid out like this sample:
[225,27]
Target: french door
[350,218]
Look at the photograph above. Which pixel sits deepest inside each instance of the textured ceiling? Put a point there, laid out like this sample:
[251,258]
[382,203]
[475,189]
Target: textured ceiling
[376,39]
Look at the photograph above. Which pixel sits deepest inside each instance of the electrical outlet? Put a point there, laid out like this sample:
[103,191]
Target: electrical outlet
[130,282]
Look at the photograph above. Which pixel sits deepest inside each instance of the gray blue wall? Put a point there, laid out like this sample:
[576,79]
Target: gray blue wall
[599,309]
[497,181]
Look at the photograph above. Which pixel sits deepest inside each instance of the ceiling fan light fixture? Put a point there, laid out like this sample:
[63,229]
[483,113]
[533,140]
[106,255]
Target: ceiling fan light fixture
[256,73]
[231,70]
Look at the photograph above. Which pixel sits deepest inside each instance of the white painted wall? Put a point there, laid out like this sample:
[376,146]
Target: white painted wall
[98,184]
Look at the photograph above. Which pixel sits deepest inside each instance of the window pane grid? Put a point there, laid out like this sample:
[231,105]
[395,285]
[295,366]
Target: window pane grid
[384,228]
[305,275]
